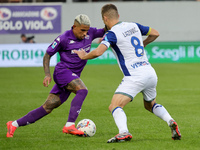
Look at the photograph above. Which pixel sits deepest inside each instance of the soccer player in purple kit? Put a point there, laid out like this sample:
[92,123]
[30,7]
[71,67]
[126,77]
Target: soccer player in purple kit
[66,75]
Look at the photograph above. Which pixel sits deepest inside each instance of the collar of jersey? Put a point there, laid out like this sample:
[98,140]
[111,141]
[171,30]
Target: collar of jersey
[118,23]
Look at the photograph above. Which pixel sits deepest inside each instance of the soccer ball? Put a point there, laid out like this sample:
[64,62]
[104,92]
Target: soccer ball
[87,126]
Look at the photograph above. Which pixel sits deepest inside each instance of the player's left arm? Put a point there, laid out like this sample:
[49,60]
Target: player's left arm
[152,35]
[93,54]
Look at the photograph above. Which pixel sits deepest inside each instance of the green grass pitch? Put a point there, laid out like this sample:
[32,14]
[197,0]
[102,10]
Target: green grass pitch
[21,90]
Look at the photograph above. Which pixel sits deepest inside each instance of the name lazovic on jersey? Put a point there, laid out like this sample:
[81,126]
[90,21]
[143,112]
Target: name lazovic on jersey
[129,32]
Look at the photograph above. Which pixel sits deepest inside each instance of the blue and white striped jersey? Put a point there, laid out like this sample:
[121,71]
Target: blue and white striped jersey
[125,39]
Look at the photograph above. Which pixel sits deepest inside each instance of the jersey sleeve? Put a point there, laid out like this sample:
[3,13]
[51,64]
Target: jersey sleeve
[55,46]
[97,33]
[145,30]
[109,39]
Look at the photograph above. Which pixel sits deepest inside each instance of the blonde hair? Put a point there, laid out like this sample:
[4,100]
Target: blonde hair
[82,19]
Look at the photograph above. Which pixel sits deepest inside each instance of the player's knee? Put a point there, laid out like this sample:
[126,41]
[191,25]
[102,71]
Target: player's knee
[49,108]
[51,103]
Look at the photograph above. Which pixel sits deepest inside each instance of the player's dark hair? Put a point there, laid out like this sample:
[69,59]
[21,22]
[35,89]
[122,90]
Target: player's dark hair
[110,11]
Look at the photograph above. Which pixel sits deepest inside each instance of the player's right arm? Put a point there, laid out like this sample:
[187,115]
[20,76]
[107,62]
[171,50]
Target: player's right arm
[108,39]
[51,50]
[46,61]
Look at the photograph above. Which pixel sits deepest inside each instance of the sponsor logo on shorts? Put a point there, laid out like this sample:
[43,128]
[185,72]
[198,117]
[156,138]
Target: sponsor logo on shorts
[139,64]
[73,74]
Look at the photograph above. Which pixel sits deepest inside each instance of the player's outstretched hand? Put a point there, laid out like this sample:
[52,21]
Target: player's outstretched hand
[47,81]
[81,53]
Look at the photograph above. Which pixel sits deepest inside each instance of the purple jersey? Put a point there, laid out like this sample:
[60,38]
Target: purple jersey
[67,42]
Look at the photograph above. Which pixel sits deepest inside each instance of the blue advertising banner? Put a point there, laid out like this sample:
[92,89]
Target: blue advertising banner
[30,19]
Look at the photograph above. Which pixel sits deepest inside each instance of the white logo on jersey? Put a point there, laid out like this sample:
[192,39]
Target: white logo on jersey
[58,39]
[71,41]
[87,37]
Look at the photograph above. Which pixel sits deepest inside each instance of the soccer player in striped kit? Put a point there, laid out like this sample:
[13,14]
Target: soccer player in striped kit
[125,40]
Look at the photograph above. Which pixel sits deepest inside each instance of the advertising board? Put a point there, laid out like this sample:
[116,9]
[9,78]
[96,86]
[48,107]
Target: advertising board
[30,19]
[24,55]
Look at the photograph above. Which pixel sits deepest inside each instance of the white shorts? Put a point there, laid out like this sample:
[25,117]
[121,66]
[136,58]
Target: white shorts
[145,81]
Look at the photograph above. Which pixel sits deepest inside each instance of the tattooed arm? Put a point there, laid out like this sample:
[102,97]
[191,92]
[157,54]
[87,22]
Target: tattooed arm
[47,78]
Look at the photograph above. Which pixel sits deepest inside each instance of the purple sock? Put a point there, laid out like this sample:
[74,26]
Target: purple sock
[76,105]
[32,116]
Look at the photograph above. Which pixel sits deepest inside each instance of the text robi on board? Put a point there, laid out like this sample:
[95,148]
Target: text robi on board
[18,54]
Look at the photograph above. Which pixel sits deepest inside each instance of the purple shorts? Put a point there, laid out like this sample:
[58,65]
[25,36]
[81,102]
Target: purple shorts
[62,77]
